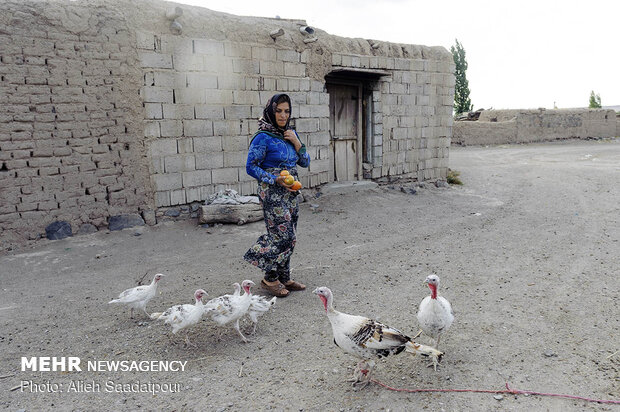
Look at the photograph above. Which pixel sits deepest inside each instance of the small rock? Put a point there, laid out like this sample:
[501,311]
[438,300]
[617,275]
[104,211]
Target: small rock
[124,221]
[499,397]
[205,225]
[174,212]
[549,353]
[195,206]
[193,215]
[441,183]
[58,230]
[149,217]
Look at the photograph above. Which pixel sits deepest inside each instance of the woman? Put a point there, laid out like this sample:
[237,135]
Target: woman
[276,147]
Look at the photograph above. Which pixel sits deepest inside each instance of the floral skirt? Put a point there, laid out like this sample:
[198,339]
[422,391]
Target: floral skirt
[272,251]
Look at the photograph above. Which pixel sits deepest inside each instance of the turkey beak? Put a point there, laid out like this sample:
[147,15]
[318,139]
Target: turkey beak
[316,291]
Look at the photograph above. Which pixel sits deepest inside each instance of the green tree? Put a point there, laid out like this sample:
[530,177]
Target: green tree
[462,102]
[595,101]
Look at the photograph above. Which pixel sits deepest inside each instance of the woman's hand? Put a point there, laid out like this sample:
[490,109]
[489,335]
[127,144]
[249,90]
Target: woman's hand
[292,137]
[280,181]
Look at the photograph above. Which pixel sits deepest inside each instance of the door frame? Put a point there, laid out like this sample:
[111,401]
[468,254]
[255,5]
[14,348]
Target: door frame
[360,96]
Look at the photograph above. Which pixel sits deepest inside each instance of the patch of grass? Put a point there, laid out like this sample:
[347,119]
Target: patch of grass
[453,177]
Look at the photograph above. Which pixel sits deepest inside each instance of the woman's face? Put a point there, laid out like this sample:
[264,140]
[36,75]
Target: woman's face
[283,112]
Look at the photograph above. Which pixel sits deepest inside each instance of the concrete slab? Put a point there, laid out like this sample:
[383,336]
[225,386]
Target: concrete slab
[348,186]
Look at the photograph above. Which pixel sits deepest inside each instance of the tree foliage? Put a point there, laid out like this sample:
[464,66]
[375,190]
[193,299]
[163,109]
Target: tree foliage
[595,101]
[462,102]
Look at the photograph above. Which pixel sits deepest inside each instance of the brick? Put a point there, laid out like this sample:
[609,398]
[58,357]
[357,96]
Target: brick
[264,53]
[235,159]
[178,111]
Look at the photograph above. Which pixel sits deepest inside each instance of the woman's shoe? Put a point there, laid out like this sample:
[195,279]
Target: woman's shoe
[294,286]
[278,290]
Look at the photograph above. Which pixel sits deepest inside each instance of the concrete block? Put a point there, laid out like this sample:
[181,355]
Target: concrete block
[196,178]
[177,197]
[208,47]
[179,163]
[212,112]
[271,68]
[155,60]
[153,110]
[264,53]
[201,81]
[197,128]
[209,160]
[246,97]
[187,95]
[163,147]
[188,62]
[237,50]
[167,181]
[171,128]
[219,97]
[226,175]
[240,111]
[155,94]
[235,159]
[294,69]
[178,111]
[207,144]
[246,66]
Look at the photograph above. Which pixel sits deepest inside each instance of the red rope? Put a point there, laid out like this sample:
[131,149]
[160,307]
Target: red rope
[507,390]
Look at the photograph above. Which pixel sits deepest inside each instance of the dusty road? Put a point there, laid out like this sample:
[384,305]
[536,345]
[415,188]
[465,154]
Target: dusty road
[527,252]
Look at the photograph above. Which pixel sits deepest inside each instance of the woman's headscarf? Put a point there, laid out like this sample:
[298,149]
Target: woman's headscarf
[268,122]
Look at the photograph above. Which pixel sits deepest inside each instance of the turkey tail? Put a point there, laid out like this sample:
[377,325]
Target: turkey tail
[114,301]
[423,350]
[156,315]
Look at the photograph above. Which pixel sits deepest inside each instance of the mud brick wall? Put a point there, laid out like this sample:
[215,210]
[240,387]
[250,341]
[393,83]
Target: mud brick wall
[525,126]
[68,103]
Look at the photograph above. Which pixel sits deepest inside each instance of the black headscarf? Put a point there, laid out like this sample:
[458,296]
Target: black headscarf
[267,122]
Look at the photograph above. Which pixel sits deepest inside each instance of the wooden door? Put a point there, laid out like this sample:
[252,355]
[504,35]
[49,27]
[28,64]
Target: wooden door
[345,129]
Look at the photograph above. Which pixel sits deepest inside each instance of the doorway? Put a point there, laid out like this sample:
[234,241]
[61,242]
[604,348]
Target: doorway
[345,128]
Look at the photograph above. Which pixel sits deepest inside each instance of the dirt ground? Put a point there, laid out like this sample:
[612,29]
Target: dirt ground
[527,251]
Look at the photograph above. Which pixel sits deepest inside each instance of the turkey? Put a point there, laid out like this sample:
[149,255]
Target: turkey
[183,316]
[231,308]
[138,297]
[435,314]
[259,305]
[367,339]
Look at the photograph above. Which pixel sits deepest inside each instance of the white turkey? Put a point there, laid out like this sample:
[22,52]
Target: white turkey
[183,316]
[435,314]
[231,308]
[367,339]
[259,305]
[138,297]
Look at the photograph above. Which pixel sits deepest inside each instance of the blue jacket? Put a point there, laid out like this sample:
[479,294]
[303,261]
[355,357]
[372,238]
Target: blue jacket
[268,151]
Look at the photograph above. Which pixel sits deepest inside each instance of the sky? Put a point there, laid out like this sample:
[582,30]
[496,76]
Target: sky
[520,54]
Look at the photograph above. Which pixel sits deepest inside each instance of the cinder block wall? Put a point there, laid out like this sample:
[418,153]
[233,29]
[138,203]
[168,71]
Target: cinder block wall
[525,126]
[69,117]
